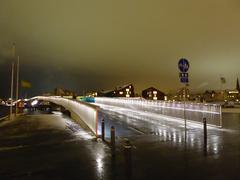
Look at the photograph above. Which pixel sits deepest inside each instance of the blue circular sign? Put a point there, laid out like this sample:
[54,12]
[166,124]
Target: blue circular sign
[183,65]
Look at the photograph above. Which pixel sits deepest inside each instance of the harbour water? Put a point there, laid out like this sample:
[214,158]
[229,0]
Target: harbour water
[4,111]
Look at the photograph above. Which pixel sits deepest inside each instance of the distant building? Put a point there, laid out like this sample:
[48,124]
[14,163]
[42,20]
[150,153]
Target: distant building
[126,90]
[47,94]
[92,94]
[64,92]
[238,86]
[233,95]
[210,95]
[153,94]
[183,94]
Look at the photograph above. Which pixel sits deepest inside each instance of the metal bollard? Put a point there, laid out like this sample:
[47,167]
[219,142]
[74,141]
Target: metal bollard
[112,136]
[128,157]
[205,134]
[205,130]
[103,130]
[127,151]
[113,140]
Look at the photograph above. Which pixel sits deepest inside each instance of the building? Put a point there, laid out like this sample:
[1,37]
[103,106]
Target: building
[183,94]
[153,94]
[234,95]
[63,92]
[238,86]
[210,95]
[92,94]
[126,90]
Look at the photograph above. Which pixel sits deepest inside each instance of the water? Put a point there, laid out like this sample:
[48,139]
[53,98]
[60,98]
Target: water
[4,111]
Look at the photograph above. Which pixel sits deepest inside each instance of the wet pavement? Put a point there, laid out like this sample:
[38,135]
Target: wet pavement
[52,146]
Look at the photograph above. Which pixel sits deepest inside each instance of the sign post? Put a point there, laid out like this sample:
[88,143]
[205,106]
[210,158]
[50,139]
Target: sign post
[183,66]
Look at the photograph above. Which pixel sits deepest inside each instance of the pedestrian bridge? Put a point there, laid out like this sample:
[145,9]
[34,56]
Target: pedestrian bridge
[88,112]
[80,111]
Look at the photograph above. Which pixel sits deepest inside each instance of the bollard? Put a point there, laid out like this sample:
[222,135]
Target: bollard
[113,140]
[103,130]
[128,157]
[205,134]
[205,130]
[127,151]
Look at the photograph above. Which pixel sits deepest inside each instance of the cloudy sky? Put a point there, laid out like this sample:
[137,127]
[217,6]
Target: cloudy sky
[99,44]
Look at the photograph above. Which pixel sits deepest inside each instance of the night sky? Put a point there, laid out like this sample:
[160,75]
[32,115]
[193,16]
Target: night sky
[98,44]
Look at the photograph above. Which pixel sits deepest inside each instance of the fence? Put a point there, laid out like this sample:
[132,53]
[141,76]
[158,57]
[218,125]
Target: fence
[193,111]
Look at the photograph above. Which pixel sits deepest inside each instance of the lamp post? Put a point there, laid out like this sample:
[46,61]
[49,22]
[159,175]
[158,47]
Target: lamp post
[17,87]
[12,78]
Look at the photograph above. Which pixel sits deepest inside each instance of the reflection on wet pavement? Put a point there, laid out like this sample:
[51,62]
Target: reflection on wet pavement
[134,124]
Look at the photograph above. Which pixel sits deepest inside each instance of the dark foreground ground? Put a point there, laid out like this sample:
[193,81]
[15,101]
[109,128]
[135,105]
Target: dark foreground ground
[51,146]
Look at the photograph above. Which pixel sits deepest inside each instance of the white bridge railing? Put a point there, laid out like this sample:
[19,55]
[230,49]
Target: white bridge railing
[193,111]
[86,112]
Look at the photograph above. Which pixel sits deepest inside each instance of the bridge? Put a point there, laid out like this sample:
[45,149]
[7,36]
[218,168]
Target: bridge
[151,112]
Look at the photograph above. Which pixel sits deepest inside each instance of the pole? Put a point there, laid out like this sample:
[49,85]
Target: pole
[11,106]
[205,131]
[103,130]
[128,157]
[184,112]
[113,140]
[205,135]
[220,116]
[17,86]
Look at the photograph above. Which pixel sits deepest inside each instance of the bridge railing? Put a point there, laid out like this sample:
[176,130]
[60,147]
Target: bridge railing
[88,113]
[193,111]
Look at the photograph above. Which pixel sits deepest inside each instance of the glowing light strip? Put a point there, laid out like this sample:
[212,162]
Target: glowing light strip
[144,103]
[210,111]
[129,112]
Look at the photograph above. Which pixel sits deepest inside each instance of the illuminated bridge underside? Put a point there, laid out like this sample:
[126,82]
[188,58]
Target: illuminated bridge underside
[193,111]
[85,112]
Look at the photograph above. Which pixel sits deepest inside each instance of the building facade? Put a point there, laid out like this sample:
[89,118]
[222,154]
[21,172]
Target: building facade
[153,94]
[126,90]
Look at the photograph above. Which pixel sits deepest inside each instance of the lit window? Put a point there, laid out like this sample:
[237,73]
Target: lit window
[120,92]
[165,98]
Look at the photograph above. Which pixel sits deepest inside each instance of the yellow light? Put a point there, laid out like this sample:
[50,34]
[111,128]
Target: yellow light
[165,98]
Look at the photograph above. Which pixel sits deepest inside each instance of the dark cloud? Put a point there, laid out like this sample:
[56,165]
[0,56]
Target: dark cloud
[100,44]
